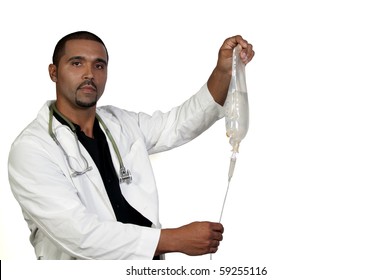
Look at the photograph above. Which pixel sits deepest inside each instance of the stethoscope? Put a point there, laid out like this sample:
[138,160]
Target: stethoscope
[125,174]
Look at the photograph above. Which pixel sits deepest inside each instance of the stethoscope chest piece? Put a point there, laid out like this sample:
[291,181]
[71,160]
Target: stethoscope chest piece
[125,176]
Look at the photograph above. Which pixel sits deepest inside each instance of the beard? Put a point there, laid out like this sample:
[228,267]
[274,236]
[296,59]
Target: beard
[91,102]
[85,104]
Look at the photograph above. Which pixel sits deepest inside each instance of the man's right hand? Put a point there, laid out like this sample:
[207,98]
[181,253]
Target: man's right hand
[197,238]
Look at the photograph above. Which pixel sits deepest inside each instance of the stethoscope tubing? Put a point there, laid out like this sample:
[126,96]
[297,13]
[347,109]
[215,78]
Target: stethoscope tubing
[124,174]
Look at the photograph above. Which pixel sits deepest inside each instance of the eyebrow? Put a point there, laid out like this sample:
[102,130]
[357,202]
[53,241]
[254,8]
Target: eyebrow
[101,60]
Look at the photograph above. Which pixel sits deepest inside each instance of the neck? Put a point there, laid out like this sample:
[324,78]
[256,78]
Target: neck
[83,117]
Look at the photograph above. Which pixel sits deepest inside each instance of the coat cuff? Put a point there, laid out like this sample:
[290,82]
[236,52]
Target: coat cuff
[148,244]
[208,101]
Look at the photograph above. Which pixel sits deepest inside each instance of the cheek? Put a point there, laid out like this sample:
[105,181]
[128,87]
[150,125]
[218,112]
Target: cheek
[68,82]
[68,77]
[101,81]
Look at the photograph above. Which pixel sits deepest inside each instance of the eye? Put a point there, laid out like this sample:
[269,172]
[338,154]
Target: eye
[76,63]
[100,66]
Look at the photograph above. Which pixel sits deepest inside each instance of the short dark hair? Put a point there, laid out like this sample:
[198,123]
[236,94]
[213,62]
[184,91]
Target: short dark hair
[81,35]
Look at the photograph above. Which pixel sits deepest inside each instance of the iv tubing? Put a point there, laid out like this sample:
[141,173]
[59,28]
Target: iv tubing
[233,160]
[224,201]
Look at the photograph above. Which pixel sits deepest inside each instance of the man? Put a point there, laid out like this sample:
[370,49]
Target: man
[82,175]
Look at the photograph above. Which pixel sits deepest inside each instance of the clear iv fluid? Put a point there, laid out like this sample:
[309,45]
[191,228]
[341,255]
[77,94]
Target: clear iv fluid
[236,108]
[236,105]
[237,119]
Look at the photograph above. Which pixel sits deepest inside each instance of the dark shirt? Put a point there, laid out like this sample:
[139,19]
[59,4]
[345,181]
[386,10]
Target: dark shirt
[98,149]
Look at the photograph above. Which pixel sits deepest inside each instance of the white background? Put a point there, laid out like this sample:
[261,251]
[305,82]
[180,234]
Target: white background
[311,193]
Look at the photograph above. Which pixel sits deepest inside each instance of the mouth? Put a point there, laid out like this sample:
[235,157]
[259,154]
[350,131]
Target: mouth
[88,88]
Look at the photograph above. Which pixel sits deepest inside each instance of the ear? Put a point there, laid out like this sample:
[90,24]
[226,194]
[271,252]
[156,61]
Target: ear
[53,72]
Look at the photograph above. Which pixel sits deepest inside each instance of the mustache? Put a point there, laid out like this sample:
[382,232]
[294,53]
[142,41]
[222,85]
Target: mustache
[88,83]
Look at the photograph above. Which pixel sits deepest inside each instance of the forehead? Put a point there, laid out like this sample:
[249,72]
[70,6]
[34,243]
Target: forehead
[85,48]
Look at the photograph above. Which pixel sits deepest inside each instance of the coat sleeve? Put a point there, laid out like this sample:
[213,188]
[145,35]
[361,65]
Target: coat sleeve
[164,131]
[53,209]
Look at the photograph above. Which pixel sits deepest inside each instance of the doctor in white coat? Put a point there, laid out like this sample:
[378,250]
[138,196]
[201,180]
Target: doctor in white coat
[74,197]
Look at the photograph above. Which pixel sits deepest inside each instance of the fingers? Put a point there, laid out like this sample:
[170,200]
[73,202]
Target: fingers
[200,238]
[247,52]
[232,42]
[214,247]
[216,227]
[216,237]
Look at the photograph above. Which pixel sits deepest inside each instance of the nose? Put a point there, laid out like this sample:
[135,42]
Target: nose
[88,73]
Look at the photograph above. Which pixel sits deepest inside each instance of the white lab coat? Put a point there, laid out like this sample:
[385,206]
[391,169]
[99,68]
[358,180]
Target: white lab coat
[71,217]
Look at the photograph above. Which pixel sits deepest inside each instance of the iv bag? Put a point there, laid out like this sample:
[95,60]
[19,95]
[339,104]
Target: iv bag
[236,104]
